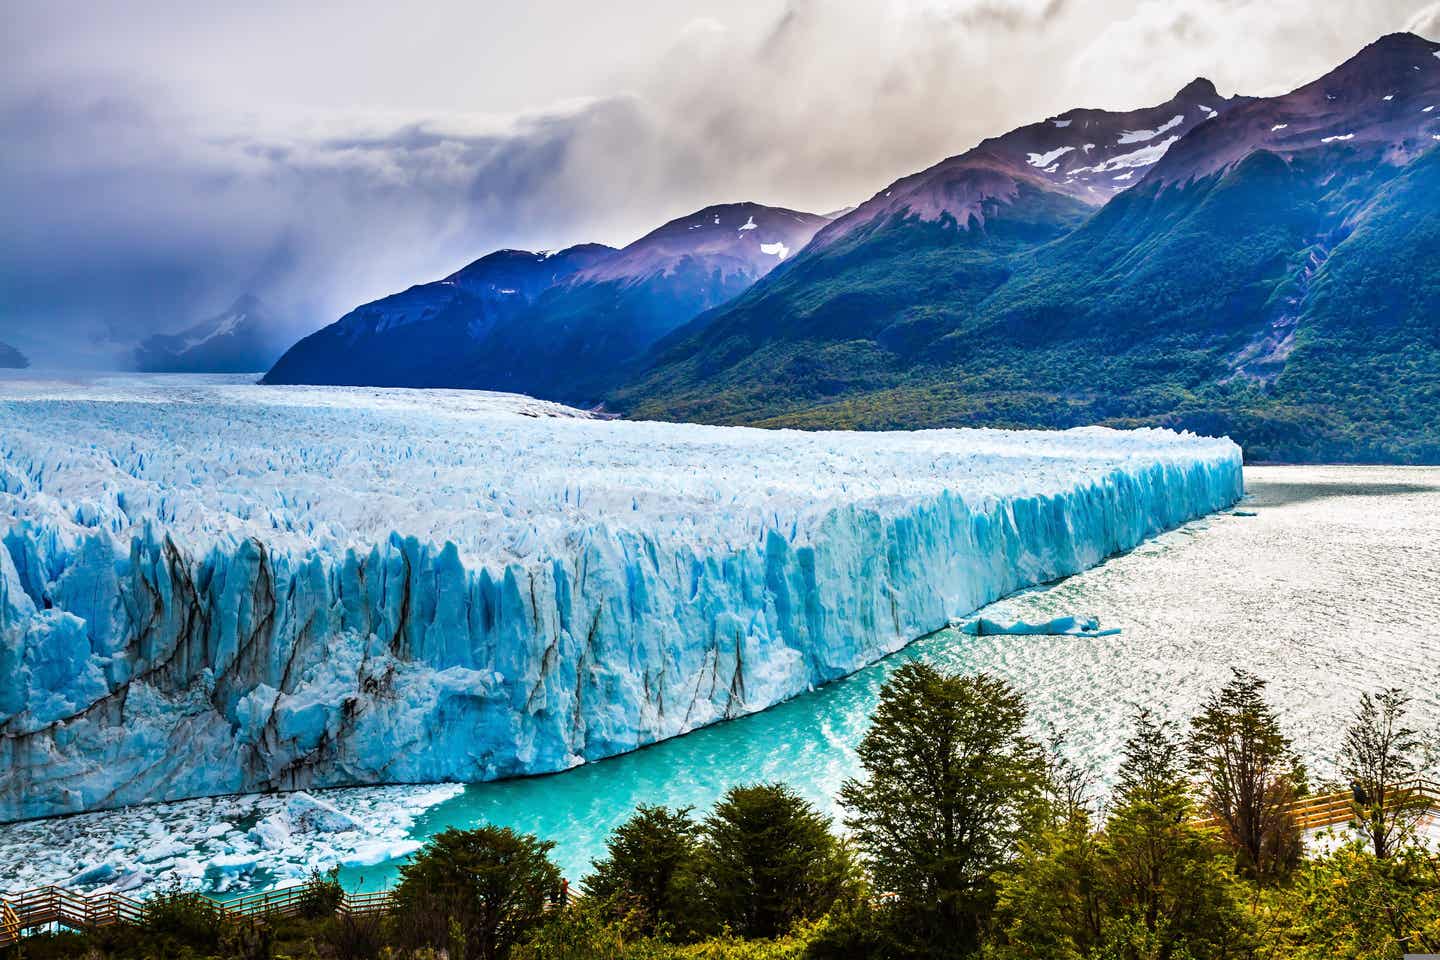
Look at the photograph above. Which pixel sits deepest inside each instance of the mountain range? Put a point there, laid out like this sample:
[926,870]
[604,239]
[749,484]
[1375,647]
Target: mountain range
[12,358]
[1270,273]
[1262,267]
[247,337]
[569,326]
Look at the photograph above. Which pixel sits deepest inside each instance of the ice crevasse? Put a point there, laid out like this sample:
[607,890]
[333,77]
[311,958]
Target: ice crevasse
[209,586]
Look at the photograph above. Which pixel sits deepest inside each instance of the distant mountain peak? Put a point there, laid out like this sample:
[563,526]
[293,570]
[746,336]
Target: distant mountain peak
[1380,104]
[736,238]
[1198,89]
[12,358]
[245,338]
[1085,154]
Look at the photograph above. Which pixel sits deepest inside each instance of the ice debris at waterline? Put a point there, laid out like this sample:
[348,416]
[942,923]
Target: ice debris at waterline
[215,587]
[1058,627]
[217,844]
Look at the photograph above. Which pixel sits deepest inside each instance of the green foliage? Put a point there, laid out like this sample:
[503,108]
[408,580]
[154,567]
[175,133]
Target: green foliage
[952,784]
[183,915]
[768,861]
[583,932]
[648,873]
[322,893]
[981,843]
[1150,884]
[1351,905]
[1289,304]
[1378,752]
[476,892]
[1247,773]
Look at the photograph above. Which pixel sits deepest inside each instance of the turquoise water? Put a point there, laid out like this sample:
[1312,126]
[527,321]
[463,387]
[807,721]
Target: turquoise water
[807,742]
[1327,591]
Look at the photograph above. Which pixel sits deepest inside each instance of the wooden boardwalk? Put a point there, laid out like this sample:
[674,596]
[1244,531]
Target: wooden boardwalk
[1332,809]
[55,907]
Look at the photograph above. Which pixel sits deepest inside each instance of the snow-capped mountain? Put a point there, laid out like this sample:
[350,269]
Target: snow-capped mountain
[1258,267]
[12,358]
[1384,103]
[1088,155]
[243,339]
[742,241]
[562,326]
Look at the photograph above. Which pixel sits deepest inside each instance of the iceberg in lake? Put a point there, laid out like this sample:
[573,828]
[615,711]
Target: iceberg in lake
[209,587]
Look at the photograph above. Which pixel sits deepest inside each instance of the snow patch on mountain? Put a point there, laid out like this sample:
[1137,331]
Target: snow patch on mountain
[1145,136]
[1143,157]
[1046,159]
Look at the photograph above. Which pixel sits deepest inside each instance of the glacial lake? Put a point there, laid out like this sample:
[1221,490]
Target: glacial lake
[1332,587]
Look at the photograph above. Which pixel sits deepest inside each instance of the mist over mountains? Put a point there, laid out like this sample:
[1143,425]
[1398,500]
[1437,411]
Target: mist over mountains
[1259,266]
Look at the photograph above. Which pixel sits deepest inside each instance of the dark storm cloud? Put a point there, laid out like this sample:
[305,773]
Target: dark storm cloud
[121,222]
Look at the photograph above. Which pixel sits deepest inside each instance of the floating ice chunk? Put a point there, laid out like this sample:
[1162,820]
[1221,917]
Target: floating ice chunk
[369,854]
[309,814]
[230,864]
[131,880]
[93,874]
[1045,159]
[273,832]
[1059,627]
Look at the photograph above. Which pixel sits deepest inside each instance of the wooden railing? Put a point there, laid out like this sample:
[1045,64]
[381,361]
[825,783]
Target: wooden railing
[1332,809]
[48,907]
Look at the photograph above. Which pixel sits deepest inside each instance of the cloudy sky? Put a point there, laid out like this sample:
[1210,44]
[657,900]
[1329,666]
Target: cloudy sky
[160,157]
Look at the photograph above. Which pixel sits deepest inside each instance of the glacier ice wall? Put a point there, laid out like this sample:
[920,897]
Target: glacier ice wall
[208,586]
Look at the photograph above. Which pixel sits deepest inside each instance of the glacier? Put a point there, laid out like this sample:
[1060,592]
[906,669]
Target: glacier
[212,587]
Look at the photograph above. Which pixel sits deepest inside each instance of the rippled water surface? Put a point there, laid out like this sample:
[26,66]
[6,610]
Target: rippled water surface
[1328,590]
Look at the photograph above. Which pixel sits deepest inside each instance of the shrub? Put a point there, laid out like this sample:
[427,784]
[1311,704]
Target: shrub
[648,873]
[476,892]
[769,860]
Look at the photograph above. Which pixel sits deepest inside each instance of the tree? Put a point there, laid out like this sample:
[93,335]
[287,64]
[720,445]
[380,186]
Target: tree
[647,874]
[952,785]
[1248,774]
[768,860]
[1166,884]
[478,892]
[1380,752]
[1150,884]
